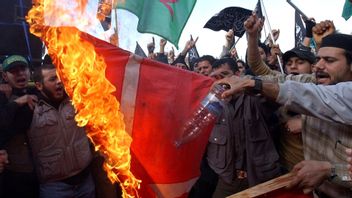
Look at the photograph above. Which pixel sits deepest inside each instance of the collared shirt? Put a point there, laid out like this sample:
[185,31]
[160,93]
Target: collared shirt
[332,102]
[323,140]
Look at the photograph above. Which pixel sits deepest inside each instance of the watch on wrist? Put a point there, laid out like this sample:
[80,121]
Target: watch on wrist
[332,172]
[258,85]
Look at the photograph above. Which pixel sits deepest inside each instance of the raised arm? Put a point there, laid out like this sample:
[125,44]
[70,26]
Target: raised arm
[253,26]
[332,103]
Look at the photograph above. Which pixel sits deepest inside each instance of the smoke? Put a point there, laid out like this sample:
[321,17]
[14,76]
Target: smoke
[127,29]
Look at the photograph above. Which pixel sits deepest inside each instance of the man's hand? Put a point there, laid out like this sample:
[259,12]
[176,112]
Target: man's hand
[233,53]
[253,25]
[163,42]
[229,38]
[31,100]
[276,34]
[189,44]
[236,84]
[310,23]
[6,89]
[321,30]
[151,46]
[294,125]
[309,174]
[171,54]
[162,45]
[3,160]
[275,50]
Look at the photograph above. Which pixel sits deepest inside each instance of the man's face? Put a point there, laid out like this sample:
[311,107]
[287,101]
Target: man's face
[332,67]
[262,54]
[204,68]
[241,67]
[51,86]
[17,76]
[221,72]
[297,65]
[181,65]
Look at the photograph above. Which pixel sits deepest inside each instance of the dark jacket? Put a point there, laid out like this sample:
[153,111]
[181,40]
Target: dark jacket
[252,121]
[14,123]
[245,143]
[161,57]
[220,149]
[13,118]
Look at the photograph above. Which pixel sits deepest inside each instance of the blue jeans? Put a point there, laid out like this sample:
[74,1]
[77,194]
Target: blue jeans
[85,189]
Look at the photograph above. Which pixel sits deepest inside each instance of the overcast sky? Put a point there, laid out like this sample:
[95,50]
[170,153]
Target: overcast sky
[280,15]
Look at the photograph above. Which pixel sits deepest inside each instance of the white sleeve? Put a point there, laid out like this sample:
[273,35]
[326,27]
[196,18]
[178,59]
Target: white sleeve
[330,102]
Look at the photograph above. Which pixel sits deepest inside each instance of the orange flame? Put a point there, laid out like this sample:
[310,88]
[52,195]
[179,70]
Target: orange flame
[83,73]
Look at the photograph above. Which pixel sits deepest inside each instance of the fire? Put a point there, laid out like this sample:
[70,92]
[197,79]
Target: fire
[83,74]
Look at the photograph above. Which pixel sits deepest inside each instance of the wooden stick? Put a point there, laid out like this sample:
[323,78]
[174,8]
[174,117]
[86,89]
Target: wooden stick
[271,33]
[266,187]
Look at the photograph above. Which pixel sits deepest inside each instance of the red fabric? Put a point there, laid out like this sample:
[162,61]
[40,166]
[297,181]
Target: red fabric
[166,97]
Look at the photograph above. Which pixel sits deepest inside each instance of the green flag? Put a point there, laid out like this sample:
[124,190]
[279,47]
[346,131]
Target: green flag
[165,18]
[347,10]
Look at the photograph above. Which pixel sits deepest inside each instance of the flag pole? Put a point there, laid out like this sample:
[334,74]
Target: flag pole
[234,45]
[298,10]
[271,34]
[116,27]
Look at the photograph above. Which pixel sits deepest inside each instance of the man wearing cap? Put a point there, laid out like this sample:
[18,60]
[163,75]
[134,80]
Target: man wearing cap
[299,60]
[298,63]
[16,107]
[325,142]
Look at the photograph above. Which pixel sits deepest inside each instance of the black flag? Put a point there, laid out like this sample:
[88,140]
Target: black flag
[192,56]
[258,10]
[229,18]
[300,31]
[139,51]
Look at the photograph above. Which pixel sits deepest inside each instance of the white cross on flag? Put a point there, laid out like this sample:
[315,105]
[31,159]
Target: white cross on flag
[156,100]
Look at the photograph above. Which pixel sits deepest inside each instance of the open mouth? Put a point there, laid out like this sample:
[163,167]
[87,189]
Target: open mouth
[322,78]
[59,89]
[294,73]
[322,75]
[21,80]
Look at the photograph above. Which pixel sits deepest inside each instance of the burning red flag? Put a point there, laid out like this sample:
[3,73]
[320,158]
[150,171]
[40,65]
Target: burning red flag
[156,100]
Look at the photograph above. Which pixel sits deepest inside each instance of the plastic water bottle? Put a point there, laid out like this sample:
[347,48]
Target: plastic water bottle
[209,110]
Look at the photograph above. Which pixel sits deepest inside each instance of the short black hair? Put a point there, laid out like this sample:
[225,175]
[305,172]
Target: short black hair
[243,63]
[229,61]
[38,75]
[264,47]
[208,58]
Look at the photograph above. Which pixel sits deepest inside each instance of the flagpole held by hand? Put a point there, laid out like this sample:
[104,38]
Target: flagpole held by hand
[271,35]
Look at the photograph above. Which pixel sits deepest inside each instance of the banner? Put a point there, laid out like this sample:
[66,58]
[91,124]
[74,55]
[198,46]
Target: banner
[139,51]
[229,18]
[300,30]
[156,100]
[165,18]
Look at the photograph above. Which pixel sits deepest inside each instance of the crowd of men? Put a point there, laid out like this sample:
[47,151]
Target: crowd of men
[272,122]
[275,122]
